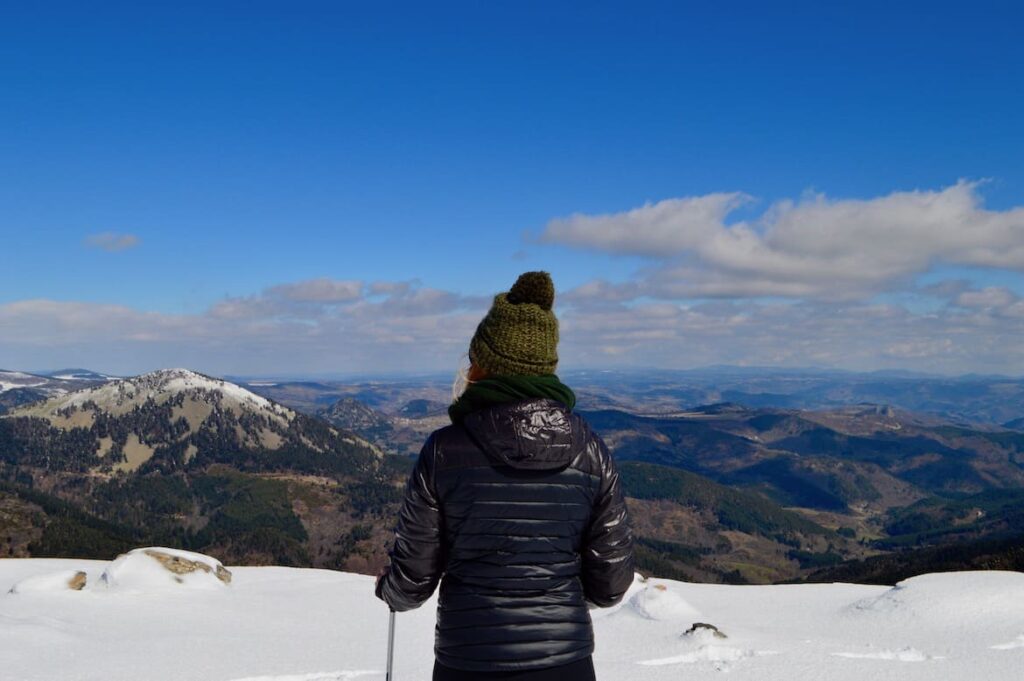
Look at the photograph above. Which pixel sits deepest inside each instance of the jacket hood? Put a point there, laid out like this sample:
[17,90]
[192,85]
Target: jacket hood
[535,434]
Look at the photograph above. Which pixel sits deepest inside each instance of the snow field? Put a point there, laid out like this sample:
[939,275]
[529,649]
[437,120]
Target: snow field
[285,624]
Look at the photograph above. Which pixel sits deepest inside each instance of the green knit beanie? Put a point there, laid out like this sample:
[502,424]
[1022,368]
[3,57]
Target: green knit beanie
[519,335]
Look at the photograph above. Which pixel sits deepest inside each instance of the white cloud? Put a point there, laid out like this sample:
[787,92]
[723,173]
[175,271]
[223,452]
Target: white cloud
[811,248]
[391,287]
[657,230]
[297,326]
[112,242]
[851,335]
[322,290]
[426,329]
[798,285]
[990,297]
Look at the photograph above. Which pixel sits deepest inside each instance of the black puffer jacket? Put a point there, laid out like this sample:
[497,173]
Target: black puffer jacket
[521,510]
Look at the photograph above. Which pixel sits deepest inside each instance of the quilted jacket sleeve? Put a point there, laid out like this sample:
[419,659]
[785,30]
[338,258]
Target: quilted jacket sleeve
[416,556]
[608,560]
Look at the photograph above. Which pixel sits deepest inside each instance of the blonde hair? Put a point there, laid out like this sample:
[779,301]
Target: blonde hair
[461,380]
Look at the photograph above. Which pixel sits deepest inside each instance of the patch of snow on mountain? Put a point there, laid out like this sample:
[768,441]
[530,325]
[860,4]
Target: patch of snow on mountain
[11,380]
[184,379]
[17,374]
[5,386]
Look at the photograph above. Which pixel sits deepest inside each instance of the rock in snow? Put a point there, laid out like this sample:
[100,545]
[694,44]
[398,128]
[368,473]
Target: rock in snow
[65,580]
[698,628]
[158,567]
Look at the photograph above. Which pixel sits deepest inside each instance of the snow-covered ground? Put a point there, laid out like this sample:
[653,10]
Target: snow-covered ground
[284,624]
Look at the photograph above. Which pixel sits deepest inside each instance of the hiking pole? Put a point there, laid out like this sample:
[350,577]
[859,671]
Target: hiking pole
[391,643]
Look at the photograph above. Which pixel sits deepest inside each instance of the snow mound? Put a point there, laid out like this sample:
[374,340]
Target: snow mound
[950,598]
[160,568]
[638,585]
[65,580]
[659,601]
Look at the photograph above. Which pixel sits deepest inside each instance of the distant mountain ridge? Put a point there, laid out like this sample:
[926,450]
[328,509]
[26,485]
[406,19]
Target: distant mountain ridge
[167,418]
[1015,424]
[77,374]
[882,450]
[972,399]
[851,468]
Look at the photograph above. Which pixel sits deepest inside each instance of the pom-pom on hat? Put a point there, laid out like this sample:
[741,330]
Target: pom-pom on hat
[519,335]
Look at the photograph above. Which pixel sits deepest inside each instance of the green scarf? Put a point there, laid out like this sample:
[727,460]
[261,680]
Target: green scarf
[497,389]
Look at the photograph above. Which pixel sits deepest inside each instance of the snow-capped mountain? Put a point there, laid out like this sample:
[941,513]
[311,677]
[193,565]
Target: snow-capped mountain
[187,458]
[77,374]
[121,396]
[50,382]
[22,387]
[171,417]
[10,380]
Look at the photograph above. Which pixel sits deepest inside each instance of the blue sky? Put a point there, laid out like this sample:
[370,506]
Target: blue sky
[162,162]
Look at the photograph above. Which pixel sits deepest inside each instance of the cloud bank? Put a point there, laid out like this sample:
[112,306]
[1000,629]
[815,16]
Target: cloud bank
[421,329]
[317,325]
[808,282]
[813,248]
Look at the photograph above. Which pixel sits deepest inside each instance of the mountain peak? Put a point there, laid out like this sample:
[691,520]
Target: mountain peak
[165,379]
[119,396]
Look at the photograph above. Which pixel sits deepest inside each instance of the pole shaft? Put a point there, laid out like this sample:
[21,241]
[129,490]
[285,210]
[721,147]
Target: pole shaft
[391,644]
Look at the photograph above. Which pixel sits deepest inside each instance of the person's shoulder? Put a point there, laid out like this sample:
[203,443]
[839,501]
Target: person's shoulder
[579,422]
[446,435]
[448,444]
[585,433]
[591,451]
